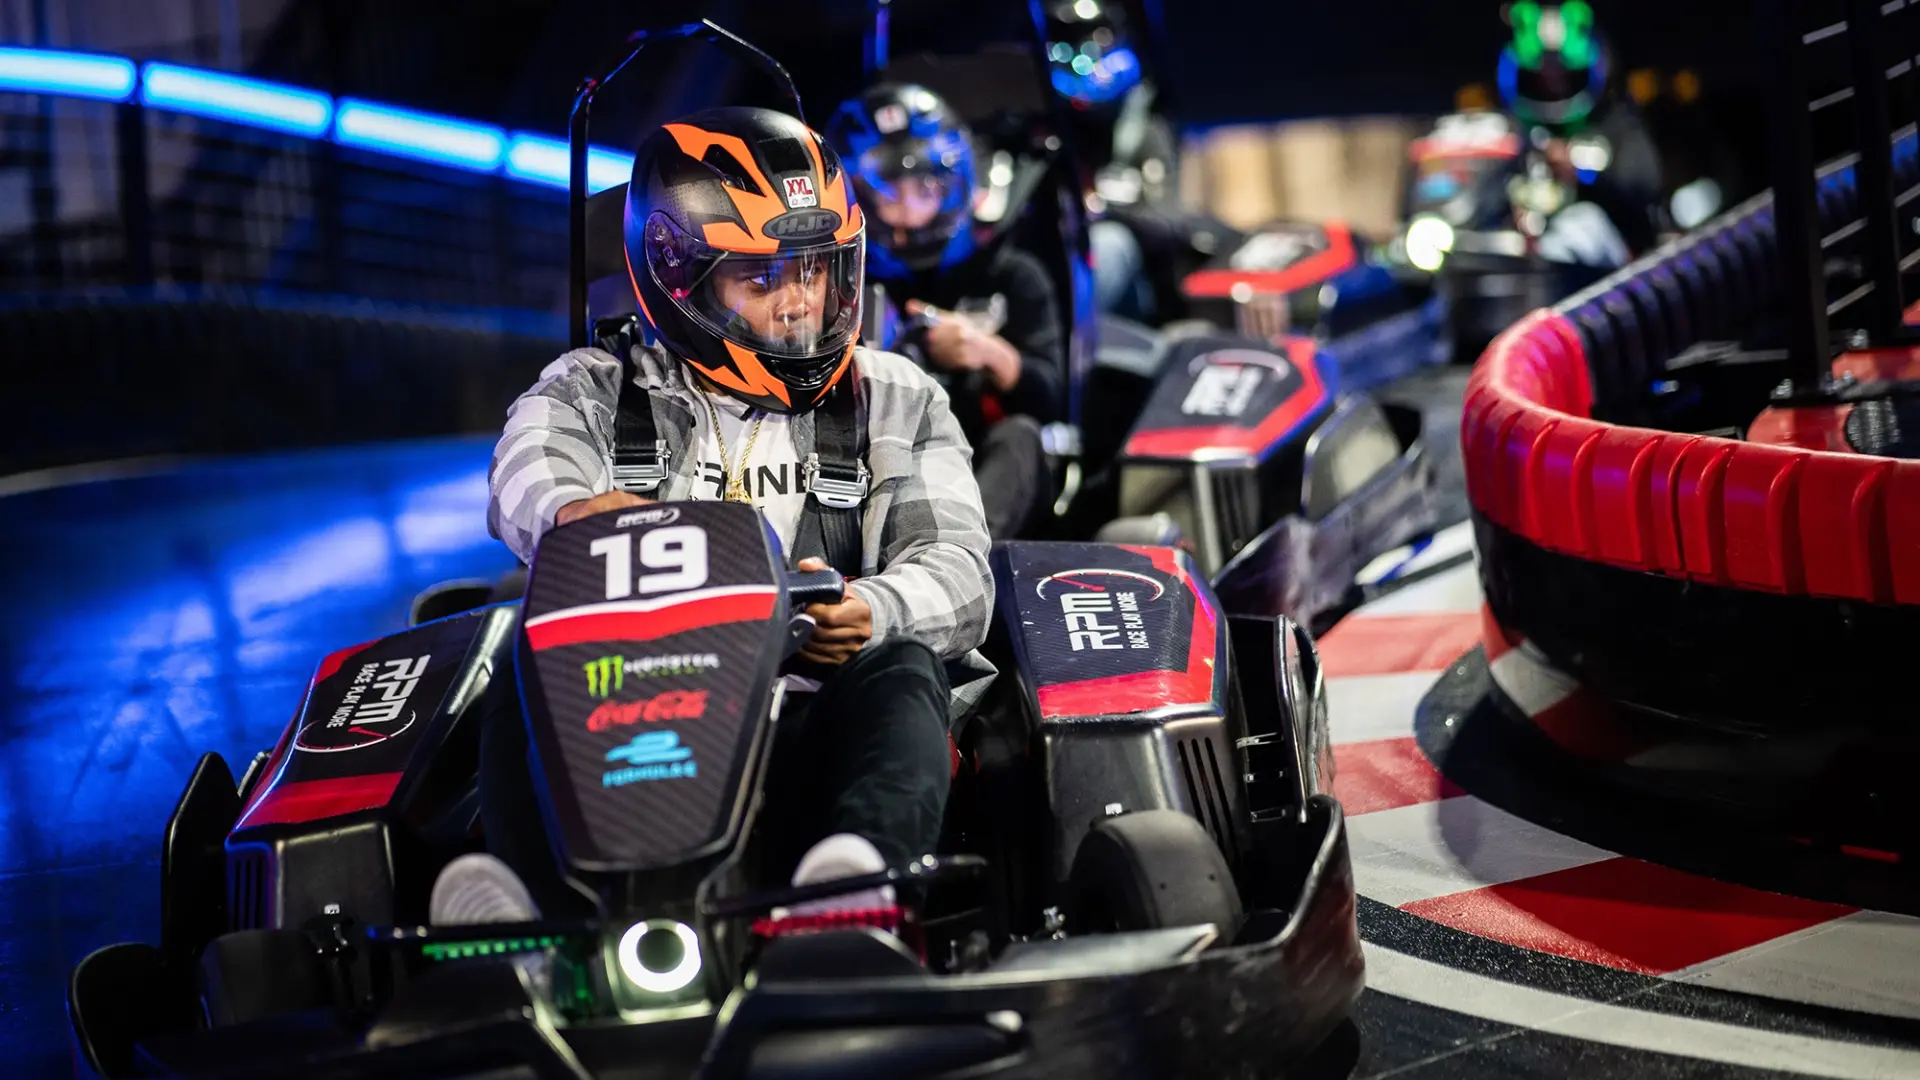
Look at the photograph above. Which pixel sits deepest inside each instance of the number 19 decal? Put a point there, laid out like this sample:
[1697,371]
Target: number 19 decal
[676,557]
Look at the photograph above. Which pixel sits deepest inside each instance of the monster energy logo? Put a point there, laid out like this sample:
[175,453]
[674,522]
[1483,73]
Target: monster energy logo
[607,675]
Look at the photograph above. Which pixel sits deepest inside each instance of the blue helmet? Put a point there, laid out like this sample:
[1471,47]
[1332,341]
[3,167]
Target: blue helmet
[1090,57]
[911,160]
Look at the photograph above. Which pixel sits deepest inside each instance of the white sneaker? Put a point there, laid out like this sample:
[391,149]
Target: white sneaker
[477,889]
[842,855]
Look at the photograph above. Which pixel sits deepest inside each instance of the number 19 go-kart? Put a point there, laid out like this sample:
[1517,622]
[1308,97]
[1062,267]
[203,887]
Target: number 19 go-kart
[1140,873]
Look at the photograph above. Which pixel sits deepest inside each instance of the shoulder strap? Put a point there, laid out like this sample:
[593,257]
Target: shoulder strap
[641,460]
[836,479]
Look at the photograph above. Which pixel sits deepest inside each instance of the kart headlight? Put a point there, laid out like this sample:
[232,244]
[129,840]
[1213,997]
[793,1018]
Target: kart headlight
[659,956]
[1428,240]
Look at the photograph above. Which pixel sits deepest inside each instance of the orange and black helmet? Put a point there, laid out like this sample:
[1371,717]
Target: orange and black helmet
[747,253]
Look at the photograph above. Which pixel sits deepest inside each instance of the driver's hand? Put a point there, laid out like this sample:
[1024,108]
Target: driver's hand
[611,500]
[841,629]
[1560,156]
[955,344]
[946,339]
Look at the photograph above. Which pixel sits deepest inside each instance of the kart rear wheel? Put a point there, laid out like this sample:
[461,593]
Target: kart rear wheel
[1150,870]
[250,974]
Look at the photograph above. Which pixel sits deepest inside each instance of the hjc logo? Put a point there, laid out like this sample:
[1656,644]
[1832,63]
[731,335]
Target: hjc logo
[800,192]
[1222,391]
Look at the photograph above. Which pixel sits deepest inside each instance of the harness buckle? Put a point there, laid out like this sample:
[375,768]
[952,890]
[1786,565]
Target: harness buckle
[841,492]
[640,471]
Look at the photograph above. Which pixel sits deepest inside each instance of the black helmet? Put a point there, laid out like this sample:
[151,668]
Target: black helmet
[747,253]
[1554,72]
[894,136]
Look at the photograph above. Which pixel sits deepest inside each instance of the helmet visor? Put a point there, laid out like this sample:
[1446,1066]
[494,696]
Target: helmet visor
[909,183]
[794,303]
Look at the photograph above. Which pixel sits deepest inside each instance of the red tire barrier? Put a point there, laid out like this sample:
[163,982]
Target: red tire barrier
[1766,518]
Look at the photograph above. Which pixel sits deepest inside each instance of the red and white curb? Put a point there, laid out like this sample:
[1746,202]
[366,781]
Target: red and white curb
[1422,845]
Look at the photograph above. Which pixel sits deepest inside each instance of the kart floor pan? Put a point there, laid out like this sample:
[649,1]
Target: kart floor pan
[1157,1010]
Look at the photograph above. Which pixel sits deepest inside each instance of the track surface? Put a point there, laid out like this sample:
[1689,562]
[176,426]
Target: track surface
[158,616]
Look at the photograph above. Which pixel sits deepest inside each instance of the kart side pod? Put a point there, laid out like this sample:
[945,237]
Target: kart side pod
[1124,667]
[378,763]
[1284,489]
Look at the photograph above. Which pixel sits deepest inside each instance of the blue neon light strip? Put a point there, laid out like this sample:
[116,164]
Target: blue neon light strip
[542,160]
[366,125]
[441,140]
[242,101]
[45,71]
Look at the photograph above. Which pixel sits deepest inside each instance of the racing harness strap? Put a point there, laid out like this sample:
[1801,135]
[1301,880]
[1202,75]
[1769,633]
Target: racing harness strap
[835,474]
[641,459]
[836,479]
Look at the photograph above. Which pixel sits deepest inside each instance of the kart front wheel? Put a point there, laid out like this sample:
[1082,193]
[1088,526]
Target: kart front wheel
[1149,870]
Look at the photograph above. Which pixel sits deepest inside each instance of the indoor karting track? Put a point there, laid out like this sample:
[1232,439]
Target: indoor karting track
[1514,928]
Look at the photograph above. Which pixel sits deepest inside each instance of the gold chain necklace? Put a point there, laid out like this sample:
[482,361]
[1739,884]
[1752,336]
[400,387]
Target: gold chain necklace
[733,480]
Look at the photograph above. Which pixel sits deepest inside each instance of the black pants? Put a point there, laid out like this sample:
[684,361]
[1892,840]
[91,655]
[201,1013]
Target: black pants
[1010,464]
[868,754]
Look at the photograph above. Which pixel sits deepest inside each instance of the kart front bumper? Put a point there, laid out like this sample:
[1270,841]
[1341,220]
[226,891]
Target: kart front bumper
[1120,1006]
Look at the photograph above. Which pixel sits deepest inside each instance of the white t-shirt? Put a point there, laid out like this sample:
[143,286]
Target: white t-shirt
[772,471]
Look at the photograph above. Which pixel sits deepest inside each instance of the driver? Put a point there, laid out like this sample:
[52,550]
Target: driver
[746,253]
[1554,78]
[912,161]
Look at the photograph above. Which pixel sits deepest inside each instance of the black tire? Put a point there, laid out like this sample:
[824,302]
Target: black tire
[120,995]
[1149,870]
[250,974]
[449,598]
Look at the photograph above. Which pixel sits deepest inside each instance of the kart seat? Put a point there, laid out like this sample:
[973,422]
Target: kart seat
[1100,954]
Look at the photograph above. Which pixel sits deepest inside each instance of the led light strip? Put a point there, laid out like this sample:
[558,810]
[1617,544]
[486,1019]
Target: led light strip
[363,125]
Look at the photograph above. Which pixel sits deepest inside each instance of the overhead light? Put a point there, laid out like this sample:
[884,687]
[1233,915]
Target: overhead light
[421,136]
[231,97]
[546,161]
[660,974]
[46,71]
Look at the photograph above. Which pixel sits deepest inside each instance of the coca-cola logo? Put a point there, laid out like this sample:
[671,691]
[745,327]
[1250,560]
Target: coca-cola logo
[672,705]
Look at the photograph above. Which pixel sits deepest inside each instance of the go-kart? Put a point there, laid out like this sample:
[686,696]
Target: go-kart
[1499,233]
[1141,874]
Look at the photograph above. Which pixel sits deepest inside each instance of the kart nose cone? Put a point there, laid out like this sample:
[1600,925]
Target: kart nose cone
[659,956]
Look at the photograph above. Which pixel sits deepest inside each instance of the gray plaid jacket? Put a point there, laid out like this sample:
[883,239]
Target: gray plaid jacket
[924,562]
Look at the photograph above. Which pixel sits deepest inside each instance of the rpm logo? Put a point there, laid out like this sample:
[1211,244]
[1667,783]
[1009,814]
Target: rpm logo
[373,710]
[1101,607]
[1226,382]
[652,515]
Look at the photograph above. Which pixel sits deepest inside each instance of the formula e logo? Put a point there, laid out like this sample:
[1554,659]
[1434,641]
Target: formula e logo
[1101,607]
[373,710]
[672,705]
[800,192]
[651,755]
[652,515]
